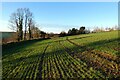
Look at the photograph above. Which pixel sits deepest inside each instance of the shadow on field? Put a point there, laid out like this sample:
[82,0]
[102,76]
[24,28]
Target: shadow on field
[92,45]
[10,48]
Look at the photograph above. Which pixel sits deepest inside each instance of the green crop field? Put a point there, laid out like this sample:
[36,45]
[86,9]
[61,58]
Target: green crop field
[95,55]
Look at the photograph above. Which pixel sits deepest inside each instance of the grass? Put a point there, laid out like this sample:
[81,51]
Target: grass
[82,56]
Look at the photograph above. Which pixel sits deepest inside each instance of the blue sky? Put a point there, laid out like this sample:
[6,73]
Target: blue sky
[61,16]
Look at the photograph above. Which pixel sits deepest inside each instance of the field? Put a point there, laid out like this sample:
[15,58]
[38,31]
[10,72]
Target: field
[95,55]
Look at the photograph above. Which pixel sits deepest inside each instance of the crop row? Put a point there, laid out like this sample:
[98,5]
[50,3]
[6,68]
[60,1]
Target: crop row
[58,63]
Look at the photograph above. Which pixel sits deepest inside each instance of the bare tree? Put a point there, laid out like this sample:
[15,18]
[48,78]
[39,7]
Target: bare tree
[20,14]
[16,22]
[19,19]
[30,24]
[29,29]
[28,21]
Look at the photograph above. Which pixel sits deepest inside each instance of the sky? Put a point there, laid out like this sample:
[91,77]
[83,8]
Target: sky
[62,16]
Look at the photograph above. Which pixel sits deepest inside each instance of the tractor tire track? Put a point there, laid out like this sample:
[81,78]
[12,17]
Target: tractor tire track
[39,75]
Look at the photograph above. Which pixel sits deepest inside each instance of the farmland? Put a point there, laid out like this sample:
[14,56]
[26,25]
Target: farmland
[94,55]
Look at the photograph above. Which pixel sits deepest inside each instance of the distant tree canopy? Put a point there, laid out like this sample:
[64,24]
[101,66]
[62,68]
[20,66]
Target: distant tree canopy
[74,31]
[63,33]
[82,30]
